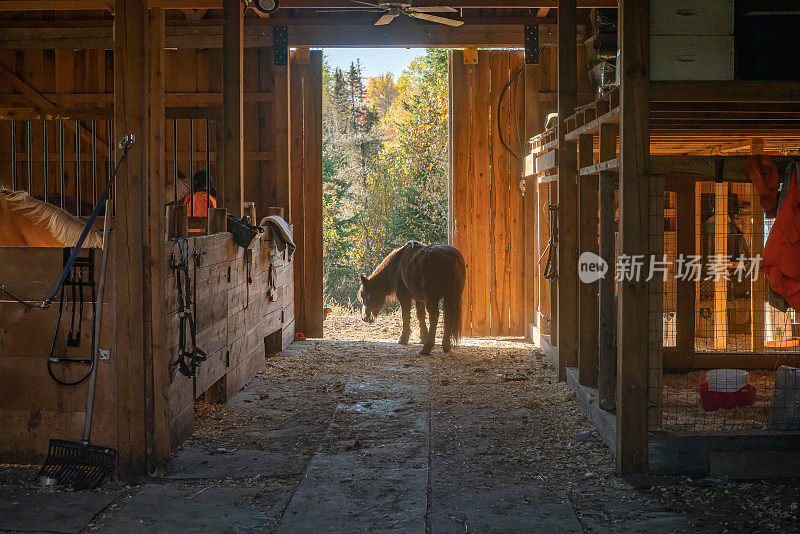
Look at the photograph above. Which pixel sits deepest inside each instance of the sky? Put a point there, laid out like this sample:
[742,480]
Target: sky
[374,61]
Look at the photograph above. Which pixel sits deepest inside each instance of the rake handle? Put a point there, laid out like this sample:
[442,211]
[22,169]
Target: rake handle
[98,321]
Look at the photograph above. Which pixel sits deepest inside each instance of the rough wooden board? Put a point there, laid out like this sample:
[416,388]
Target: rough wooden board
[588,399]
[754,465]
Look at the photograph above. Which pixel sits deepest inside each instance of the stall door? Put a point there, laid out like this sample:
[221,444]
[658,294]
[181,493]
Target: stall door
[486,218]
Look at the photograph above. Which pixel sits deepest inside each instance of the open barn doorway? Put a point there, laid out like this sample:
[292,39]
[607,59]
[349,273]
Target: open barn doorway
[385,128]
[432,154]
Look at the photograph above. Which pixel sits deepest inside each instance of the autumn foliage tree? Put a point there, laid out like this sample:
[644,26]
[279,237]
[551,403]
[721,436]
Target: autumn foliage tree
[384,167]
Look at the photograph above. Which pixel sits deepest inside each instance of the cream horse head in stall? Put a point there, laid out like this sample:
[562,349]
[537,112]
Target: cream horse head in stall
[28,222]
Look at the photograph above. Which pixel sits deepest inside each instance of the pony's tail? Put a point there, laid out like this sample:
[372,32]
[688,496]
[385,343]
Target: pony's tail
[452,308]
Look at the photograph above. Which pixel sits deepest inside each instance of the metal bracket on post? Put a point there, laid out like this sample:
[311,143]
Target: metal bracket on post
[531,45]
[280,42]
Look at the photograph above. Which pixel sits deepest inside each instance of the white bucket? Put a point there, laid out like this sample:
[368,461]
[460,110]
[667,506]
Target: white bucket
[726,380]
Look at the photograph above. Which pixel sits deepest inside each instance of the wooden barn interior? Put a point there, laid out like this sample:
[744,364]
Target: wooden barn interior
[646,156]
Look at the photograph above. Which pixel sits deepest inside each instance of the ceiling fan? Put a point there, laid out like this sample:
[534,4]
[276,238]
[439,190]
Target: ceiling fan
[392,10]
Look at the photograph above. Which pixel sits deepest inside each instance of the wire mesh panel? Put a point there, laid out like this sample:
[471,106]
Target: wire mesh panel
[736,326]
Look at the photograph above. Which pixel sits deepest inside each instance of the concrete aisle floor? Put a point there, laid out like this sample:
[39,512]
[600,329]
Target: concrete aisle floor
[366,436]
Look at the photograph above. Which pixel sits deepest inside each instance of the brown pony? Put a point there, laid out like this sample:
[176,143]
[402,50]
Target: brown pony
[425,275]
[28,222]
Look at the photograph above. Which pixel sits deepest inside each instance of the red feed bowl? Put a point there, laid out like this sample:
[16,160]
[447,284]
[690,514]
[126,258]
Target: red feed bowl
[715,400]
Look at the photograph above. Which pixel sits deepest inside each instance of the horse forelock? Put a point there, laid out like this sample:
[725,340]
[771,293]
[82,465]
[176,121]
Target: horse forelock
[63,226]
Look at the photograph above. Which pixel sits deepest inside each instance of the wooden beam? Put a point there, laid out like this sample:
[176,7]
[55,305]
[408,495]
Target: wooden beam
[69,5]
[232,179]
[685,240]
[607,343]
[588,242]
[416,35]
[720,249]
[46,105]
[157,237]
[758,287]
[131,117]
[704,167]
[634,229]
[542,11]
[17,36]
[530,204]
[711,91]
[567,287]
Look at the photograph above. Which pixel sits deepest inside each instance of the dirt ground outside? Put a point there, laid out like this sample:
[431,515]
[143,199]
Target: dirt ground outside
[355,433]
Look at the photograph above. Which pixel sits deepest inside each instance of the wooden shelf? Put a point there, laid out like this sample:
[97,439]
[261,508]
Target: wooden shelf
[610,165]
[548,178]
[593,126]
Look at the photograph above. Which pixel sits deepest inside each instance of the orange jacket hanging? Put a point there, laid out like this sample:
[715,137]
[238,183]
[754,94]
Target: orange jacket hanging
[781,258]
[198,206]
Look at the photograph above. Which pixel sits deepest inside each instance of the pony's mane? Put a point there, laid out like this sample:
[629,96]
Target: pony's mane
[385,261]
[63,226]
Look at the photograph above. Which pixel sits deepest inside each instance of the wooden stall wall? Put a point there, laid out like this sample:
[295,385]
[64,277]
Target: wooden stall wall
[305,123]
[33,407]
[240,319]
[486,205]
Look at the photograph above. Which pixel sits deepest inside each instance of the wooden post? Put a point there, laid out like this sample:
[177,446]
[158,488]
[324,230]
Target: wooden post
[312,173]
[634,231]
[607,355]
[157,238]
[530,203]
[758,288]
[280,108]
[720,250]
[588,242]
[217,220]
[685,288]
[177,221]
[131,117]
[567,291]
[249,210]
[276,210]
[232,179]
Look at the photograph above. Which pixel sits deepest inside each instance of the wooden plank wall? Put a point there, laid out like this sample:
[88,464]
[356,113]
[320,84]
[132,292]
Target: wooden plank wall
[486,206]
[34,408]
[305,156]
[233,320]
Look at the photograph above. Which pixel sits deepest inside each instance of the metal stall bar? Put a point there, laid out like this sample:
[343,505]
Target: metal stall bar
[14,155]
[46,162]
[30,160]
[94,162]
[61,160]
[191,167]
[208,166]
[77,168]
[175,158]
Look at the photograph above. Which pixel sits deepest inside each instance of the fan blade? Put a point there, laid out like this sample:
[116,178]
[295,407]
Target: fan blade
[433,9]
[385,19]
[370,4]
[434,18]
[350,10]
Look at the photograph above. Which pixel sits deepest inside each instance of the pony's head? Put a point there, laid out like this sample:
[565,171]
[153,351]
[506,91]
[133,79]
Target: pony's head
[371,298]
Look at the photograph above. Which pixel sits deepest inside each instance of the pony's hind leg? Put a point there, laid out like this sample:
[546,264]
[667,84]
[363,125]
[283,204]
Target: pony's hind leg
[423,327]
[433,312]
